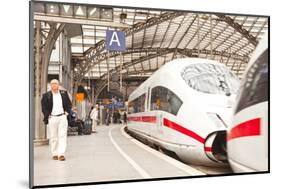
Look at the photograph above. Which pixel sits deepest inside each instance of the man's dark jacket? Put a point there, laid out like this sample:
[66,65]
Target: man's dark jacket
[47,104]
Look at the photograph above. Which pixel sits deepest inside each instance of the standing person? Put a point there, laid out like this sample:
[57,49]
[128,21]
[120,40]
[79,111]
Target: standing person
[94,115]
[107,117]
[125,117]
[73,121]
[118,117]
[56,106]
[115,116]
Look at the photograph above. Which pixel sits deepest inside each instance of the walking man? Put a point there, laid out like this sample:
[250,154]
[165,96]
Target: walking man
[56,106]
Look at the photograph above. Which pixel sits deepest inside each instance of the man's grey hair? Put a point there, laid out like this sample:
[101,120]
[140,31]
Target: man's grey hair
[54,80]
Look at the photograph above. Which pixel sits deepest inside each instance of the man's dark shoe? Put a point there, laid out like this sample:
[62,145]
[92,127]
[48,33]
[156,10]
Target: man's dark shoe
[61,158]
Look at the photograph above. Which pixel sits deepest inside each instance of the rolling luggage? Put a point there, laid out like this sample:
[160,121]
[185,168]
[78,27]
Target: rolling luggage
[87,129]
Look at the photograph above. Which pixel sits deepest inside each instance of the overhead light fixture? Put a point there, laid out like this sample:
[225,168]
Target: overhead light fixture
[123,16]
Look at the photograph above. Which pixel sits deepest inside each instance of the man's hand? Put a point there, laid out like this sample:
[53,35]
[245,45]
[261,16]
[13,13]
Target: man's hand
[46,121]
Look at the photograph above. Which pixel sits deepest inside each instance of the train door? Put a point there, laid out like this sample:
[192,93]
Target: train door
[159,122]
[152,112]
[156,107]
[148,100]
[167,104]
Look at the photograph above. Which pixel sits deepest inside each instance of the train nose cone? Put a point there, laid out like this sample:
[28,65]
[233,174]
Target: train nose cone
[215,146]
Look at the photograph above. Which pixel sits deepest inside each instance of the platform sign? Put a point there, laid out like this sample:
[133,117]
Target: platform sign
[115,41]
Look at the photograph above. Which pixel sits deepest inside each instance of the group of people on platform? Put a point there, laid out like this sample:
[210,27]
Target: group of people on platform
[59,114]
[114,117]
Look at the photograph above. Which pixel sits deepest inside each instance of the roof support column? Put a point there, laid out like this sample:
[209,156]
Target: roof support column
[40,129]
[198,34]
[211,36]
[107,63]
[50,42]
[121,67]
[41,74]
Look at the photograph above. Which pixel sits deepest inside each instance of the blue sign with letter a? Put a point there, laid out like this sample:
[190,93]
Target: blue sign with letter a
[115,41]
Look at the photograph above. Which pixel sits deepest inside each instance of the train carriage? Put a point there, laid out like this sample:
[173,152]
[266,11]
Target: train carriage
[185,107]
[247,138]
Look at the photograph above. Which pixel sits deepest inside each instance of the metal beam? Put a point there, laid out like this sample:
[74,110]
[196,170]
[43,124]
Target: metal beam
[140,60]
[154,35]
[134,19]
[228,36]
[206,34]
[187,30]
[144,33]
[191,52]
[196,33]
[179,26]
[103,82]
[239,28]
[153,21]
[102,56]
[218,34]
[144,71]
[100,46]
[81,21]
[246,44]
[187,52]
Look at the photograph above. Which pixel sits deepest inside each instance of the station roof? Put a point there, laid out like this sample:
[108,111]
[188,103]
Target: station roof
[154,37]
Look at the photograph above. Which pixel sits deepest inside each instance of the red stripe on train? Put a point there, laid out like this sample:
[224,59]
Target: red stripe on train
[149,119]
[183,130]
[247,128]
[172,125]
[208,149]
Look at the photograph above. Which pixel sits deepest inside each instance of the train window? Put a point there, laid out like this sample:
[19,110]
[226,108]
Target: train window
[137,105]
[165,100]
[254,88]
[210,78]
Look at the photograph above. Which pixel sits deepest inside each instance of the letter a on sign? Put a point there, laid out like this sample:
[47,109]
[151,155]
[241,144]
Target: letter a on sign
[115,41]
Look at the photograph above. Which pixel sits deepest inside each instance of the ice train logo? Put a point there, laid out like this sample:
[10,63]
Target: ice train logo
[184,108]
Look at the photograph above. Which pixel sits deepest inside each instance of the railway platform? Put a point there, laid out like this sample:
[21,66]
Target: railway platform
[108,155]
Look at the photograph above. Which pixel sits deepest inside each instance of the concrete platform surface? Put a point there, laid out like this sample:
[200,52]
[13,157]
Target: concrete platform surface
[107,155]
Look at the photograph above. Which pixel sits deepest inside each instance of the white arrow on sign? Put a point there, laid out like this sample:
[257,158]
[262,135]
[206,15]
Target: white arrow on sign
[66,8]
[79,11]
[93,11]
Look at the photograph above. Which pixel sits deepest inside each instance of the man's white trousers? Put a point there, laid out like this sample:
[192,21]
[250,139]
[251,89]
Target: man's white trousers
[57,134]
[94,125]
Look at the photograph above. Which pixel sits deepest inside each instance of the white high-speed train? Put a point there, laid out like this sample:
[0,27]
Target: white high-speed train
[247,138]
[184,108]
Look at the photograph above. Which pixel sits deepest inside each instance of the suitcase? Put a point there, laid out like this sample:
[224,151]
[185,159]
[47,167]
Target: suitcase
[87,128]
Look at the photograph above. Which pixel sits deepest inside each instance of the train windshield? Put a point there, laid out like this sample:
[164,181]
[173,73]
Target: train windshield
[254,87]
[210,78]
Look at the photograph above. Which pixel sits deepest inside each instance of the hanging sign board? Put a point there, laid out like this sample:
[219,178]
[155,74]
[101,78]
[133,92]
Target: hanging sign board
[115,41]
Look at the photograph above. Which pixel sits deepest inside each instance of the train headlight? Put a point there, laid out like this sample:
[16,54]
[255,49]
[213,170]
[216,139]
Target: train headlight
[217,120]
